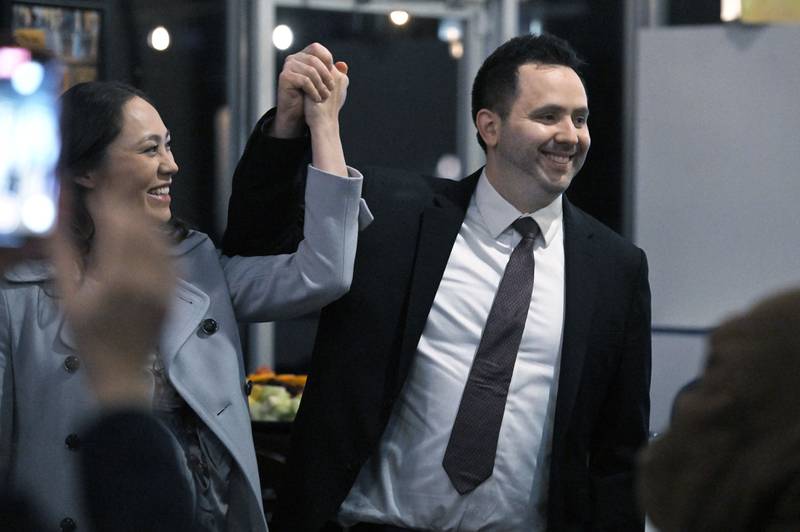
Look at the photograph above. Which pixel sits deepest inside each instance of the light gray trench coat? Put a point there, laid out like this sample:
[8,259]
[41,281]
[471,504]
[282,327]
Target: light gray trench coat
[44,400]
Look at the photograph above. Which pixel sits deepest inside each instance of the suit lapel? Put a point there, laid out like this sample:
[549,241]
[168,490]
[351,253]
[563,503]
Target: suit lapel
[580,290]
[439,226]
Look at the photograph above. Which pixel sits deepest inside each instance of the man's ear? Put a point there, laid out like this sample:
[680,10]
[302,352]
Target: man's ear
[488,124]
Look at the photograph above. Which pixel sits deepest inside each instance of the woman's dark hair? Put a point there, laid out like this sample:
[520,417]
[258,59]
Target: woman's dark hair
[91,118]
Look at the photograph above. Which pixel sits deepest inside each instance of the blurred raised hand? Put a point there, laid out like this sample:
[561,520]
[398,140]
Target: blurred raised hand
[116,299]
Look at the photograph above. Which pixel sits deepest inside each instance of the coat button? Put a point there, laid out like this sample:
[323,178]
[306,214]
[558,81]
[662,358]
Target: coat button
[68,524]
[73,442]
[72,363]
[209,326]
[248,387]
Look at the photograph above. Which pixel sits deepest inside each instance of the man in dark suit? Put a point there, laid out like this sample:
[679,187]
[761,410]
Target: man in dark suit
[490,367]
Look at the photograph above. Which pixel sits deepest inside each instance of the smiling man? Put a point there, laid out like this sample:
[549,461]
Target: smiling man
[490,367]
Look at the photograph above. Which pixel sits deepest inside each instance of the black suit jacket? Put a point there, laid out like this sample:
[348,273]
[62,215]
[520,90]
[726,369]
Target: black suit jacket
[366,340]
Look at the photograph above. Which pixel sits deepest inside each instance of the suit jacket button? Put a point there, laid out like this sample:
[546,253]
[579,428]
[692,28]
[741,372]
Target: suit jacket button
[68,524]
[73,442]
[248,387]
[72,363]
[209,326]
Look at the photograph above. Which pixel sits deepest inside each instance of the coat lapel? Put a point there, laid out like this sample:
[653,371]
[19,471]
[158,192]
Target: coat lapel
[189,305]
[580,286]
[439,226]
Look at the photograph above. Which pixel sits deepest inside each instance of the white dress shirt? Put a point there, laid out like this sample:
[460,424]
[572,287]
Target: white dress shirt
[404,483]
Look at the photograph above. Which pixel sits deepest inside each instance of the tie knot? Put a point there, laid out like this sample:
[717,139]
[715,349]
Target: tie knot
[527,227]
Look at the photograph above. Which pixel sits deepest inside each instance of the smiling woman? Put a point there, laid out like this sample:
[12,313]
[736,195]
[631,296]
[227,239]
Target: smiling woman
[116,150]
[115,145]
[139,163]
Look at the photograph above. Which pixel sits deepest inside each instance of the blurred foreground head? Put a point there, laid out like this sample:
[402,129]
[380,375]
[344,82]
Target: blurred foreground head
[731,458]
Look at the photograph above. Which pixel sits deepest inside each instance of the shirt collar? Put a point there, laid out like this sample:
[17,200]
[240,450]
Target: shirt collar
[498,214]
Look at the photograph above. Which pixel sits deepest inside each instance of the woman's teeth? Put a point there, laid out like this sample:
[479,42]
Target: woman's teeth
[160,191]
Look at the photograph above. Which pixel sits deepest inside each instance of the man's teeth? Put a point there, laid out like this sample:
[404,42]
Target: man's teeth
[160,191]
[558,158]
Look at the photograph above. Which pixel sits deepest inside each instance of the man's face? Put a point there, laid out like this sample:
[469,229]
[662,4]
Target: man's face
[545,135]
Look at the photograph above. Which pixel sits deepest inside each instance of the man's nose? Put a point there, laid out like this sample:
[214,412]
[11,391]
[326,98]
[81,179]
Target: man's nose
[567,132]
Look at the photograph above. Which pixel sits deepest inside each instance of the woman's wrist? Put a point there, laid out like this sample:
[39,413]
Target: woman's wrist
[327,153]
[324,127]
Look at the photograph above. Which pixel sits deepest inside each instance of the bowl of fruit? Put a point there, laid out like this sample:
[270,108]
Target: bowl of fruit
[274,397]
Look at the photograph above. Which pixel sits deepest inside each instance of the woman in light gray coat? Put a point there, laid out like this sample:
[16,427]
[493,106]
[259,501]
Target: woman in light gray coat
[116,146]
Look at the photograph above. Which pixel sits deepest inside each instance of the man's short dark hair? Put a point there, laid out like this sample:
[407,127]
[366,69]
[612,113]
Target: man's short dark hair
[495,85]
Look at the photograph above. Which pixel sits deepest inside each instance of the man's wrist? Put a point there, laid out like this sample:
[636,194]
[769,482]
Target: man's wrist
[285,127]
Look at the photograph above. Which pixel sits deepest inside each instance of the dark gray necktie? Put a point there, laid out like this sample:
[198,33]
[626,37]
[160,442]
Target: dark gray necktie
[469,458]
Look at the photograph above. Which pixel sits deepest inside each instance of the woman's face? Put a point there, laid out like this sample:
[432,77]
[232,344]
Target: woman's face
[138,165]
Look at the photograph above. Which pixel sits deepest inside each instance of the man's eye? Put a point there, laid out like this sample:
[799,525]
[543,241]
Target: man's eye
[581,120]
[151,149]
[549,117]
[168,145]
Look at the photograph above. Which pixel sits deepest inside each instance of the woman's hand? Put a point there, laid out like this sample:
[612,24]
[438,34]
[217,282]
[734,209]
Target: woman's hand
[325,113]
[323,121]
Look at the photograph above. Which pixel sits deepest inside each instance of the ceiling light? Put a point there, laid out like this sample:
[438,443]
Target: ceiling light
[158,39]
[456,49]
[450,30]
[282,37]
[730,10]
[399,18]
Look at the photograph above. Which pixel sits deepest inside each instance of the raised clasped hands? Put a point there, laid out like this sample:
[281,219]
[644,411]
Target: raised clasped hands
[309,77]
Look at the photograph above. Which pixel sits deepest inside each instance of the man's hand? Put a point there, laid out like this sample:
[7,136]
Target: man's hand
[308,73]
[116,308]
